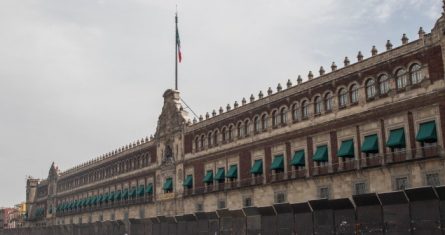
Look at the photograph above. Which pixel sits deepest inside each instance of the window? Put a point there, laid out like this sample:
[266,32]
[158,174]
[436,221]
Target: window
[247,201]
[199,207]
[275,118]
[230,132]
[401,78]
[324,193]
[383,84]
[370,88]
[304,109]
[295,112]
[209,139]
[416,74]
[328,102]
[224,134]
[215,137]
[401,183]
[283,115]
[240,130]
[360,188]
[197,143]
[141,213]
[246,127]
[126,215]
[80,220]
[432,179]
[264,122]
[343,97]
[257,124]
[354,94]
[318,105]
[101,217]
[202,141]
[221,204]
[280,197]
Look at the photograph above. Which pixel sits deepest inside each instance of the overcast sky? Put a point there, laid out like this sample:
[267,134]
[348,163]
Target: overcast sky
[81,78]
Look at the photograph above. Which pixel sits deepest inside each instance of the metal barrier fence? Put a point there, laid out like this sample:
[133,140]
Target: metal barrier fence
[413,211]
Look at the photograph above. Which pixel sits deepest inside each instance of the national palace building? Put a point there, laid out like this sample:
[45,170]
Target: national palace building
[372,125]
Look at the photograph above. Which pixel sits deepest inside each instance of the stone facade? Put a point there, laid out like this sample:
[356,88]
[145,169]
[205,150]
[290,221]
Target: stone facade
[400,89]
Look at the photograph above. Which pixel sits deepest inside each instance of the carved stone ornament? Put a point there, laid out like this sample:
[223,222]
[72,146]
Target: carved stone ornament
[172,118]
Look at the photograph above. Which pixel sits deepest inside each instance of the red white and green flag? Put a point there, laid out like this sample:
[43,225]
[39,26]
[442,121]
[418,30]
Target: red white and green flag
[178,42]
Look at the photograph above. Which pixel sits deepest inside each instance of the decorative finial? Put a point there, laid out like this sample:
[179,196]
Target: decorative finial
[289,83]
[260,95]
[374,51]
[310,75]
[404,39]
[346,61]
[421,32]
[388,45]
[279,88]
[299,79]
[322,71]
[243,101]
[201,118]
[221,110]
[252,98]
[269,91]
[228,108]
[235,105]
[360,56]
[213,113]
[207,115]
[333,66]
[195,120]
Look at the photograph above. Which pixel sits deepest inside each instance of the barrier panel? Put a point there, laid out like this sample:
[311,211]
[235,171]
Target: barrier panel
[168,225]
[369,214]
[154,226]
[187,224]
[136,227]
[424,210]
[323,216]
[303,224]
[441,194]
[396,214]
[232,222]
[285,218]
[253,220]
[344,216]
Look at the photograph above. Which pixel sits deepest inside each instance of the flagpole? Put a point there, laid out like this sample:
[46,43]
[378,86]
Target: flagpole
[176,51]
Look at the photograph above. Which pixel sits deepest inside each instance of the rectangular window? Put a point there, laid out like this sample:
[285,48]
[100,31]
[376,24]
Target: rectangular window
[247,201]
[360,188]
[141,213]
[280,197]
[401,183]
[199,207]
[221,204]
[112,216]
[126,215]
[101,217]
[432,179]
[80,220]
[324,193]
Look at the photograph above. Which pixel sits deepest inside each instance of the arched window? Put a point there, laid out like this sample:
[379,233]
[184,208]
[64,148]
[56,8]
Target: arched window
[283,115]
[354,94]
[264,122]
[246,127]
[401,78]
[342,97]
[304,109]
[383,84]
[257,124]
[209,139]
[224,134]
[240,130]
[370,88]
[202,141]
[196,143]
[295,112]
[328,102]
[275,118]
[416,73]
[318,105]
[230,132]
[215,137]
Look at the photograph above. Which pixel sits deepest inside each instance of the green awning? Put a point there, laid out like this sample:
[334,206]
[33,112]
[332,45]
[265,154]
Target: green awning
[87,201]
[140,191]
[125,194]
[396,138]
[232,173]
[118,195]
[257,167]
[208,178]
[188,182]
[321,154]
[105,197]
[427,132]
[149,189]
[132,192]
[278,163]
[168,184]
[220,174]
[371,144]
[346,149]
[298,158]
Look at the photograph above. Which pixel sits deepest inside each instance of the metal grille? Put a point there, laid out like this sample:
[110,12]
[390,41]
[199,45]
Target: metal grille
[432,179]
